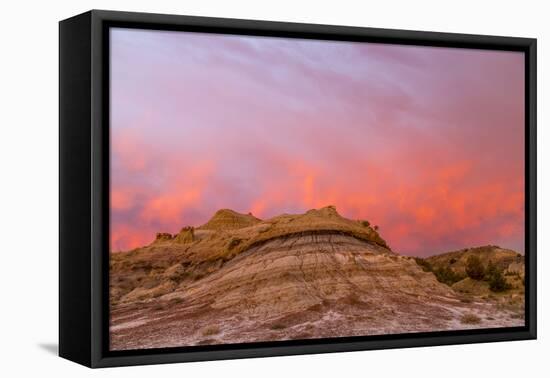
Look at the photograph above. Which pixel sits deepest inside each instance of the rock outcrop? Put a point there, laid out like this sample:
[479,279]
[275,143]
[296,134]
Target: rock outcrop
[226,219]
[185,236]
[163,236]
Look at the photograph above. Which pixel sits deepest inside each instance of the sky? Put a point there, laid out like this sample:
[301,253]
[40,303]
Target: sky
[425,142]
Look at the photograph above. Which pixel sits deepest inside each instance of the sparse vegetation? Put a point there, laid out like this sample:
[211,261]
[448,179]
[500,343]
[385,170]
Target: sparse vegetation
[176,301]
[277,326]
[425,265]
[470,319]
[474,268]
[497,282]
[447,276]
[210,330]
[491,273]
[490,270]
[443,274]
[233,243]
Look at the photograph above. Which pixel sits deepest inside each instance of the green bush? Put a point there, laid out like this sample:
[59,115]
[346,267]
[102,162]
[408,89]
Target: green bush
[497,282]
[426,266]
[474,268]
[490,270]
[447,276]
[444,275]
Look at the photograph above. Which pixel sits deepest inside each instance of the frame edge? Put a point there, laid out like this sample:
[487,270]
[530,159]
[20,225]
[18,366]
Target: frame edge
[99,17]
[75,334]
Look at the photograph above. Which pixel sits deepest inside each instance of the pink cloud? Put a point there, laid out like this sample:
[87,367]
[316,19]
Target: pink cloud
[425,142]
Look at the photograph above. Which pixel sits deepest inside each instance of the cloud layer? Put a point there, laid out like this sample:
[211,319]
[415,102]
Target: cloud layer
[425,142]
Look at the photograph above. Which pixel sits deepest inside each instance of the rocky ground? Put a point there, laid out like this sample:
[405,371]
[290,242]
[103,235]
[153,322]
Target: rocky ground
[315,275]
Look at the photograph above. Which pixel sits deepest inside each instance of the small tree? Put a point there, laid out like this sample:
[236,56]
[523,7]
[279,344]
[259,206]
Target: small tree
[474,268]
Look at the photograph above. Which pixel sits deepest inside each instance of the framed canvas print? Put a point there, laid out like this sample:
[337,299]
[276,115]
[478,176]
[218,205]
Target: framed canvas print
[234,188]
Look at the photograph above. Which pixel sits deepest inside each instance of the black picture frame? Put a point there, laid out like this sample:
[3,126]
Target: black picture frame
[84,187]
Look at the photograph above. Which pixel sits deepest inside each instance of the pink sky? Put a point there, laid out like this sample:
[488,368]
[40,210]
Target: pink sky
[425,142]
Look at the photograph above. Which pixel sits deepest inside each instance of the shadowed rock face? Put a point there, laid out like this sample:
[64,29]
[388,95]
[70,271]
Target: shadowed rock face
[313,275]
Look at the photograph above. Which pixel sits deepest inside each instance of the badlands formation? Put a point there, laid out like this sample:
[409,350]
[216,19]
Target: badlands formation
[239,279]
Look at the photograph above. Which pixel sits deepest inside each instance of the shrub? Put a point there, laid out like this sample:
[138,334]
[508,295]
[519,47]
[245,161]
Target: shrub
[452,261]
[447,276]
[444,275]
[470,319]
[210,330]
[176,301]
[233,243]
[474,268]
[277,326]
[425,265]
[497,282]
[490,270]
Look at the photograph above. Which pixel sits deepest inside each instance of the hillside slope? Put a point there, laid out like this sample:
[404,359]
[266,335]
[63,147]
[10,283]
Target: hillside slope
[456,260]
[509,264]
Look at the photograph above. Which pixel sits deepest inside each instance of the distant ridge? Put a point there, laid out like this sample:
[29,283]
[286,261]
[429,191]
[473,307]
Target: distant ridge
[456,260]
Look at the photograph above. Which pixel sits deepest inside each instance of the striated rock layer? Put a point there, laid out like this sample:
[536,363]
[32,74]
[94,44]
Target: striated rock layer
[314,275]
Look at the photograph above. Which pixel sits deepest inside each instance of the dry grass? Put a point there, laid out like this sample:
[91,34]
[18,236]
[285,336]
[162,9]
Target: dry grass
[470,319]
[210,330]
